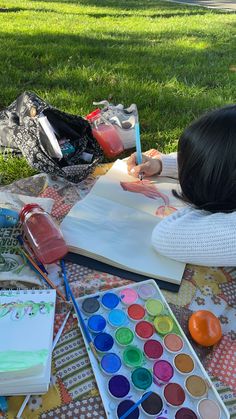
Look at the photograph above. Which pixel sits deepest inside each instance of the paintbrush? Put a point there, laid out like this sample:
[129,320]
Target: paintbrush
[80,318]
[44,276]
[63,268]
[30,253]
[129,411]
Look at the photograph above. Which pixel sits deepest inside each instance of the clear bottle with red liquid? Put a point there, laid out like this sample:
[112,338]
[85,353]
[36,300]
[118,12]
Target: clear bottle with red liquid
[106,134]
[43,235]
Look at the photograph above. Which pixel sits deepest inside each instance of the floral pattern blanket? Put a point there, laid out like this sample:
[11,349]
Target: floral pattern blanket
[73,392]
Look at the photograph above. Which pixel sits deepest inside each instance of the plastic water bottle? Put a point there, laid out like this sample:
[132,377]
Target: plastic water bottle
[106,134]
[44,236]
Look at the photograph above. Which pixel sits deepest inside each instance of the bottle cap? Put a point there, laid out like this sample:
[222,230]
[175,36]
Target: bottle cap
[26,209]
[93,114]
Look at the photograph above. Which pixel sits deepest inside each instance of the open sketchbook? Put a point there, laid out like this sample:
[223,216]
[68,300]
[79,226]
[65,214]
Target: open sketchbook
[114,223]
[26,324]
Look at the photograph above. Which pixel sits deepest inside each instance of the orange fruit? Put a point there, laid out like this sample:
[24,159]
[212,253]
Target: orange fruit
[205,328]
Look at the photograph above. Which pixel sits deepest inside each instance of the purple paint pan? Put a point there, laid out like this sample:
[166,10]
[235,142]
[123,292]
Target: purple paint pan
[118,386]
[124,406]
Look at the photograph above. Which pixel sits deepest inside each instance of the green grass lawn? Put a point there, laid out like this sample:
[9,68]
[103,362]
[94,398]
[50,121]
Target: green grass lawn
[173,61]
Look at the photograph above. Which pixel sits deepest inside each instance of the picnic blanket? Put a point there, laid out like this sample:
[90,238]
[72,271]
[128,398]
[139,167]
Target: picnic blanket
[73,392]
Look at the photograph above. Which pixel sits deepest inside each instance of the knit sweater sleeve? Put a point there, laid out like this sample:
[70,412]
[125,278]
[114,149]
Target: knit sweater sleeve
[169,165]
[198,237]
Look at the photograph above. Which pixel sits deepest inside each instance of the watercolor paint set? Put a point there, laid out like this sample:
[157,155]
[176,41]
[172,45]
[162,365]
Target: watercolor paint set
[147,367]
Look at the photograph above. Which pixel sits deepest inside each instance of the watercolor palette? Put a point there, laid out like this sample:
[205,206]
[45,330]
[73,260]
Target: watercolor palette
[142,349]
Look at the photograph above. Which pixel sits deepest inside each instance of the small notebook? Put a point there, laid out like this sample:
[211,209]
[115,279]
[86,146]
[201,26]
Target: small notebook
[26,327]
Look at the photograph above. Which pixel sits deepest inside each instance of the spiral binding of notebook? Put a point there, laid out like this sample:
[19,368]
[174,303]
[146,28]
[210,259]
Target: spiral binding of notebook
[26,324]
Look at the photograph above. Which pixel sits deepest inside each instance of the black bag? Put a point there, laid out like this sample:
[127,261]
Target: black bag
[21,132]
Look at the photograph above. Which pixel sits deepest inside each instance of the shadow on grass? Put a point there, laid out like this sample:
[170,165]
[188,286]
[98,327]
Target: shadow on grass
[10,9]
[184,13]
[131,5]
[75,70]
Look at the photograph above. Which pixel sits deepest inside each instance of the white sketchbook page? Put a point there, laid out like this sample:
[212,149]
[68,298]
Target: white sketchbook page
[110,232]
[30,332]
[108,186]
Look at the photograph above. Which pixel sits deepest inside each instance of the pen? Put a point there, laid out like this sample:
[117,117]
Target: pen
[139,158]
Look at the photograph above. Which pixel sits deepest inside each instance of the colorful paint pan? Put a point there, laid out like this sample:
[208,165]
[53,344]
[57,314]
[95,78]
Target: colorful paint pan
[185,413]
[124,336]
[196,386]
[118,386]
[163,324]
[208,409]
[184,363]
[110,300]
[154,307]
[173,343]
[136,312]
[153,405]
[124,406]
[110,363]
[141,378]
[162,371]
[144,329]
[128,296]
[96,323]
[174,394]
[90,305]
[146,291]
[153,349]
[117,317]
[132,356]
[103,342]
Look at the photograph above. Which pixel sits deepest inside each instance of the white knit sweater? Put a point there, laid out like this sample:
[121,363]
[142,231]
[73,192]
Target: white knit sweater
[195,236]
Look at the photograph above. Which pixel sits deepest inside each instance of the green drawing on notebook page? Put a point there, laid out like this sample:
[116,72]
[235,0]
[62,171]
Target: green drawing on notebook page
[19,309]
[21,360]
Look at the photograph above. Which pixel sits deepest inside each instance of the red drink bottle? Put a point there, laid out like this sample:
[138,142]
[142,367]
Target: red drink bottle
[44,236]
[106,134]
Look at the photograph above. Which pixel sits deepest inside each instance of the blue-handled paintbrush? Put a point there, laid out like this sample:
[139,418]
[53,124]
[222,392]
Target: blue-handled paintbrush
[80,318]
[129,411]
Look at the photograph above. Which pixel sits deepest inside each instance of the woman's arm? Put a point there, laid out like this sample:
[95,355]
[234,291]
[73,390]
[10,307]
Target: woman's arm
[198,237]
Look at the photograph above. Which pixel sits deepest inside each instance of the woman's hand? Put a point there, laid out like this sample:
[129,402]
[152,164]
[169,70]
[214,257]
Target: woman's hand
[149,166]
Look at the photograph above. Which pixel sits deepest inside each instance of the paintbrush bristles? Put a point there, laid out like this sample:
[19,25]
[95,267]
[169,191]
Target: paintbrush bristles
[93,349]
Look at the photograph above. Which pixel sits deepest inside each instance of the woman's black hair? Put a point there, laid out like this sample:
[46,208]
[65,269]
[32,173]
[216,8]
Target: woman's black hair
[207,161]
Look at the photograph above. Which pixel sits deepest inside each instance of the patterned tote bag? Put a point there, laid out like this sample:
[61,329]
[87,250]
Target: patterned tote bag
[21,132]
